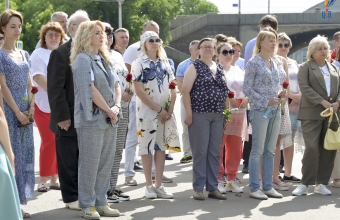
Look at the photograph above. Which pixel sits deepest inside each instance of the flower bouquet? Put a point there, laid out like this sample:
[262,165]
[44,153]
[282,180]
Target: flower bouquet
[172,85]
[34,90]
[227,112]
[128,88]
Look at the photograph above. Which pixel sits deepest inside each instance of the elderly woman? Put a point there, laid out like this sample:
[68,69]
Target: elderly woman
[113,194]
[294,96]
[16,86]
[156,126]
[9,202]
[319,84]
[97,105]
[204,93]
[51,36]
[236,130]
[263,84]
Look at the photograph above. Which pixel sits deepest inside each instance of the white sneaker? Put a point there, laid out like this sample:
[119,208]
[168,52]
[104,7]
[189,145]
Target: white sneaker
[272,193]
[322,189]
[150,192]
[220,187]
[258,195]
[232,186]
[162,193]
[300,190]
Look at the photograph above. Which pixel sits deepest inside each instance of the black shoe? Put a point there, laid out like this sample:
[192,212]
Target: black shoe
[281,169]
[137,168]
[245,168]
[291,179]
[280,178]
[111,197]
[121,195]
[168,157]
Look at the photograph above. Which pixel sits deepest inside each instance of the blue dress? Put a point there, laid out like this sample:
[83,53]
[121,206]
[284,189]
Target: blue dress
[9,202]
[17,74]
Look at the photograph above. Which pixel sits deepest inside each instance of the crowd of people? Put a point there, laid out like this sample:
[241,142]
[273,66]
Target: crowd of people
[91,96]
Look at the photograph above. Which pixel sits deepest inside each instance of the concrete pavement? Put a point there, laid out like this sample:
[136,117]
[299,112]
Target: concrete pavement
[49,206]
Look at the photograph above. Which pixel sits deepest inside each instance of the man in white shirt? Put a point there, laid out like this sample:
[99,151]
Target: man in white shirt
[121,40]
[61,18]
[132,53]
[181,69]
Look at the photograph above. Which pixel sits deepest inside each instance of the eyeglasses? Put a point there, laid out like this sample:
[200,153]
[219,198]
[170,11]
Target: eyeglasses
[1,38]
[109,35]
[51,35]
[207,48]
[284,45]
[155,40]
[225,52]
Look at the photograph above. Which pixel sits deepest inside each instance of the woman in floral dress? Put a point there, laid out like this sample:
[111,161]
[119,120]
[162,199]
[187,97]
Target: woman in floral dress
[16,87]
[156,126]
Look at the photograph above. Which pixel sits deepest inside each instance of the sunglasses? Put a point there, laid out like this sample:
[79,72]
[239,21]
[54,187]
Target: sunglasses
[109,35]
[225,52]
[1,38]
[155,40]
[284,45]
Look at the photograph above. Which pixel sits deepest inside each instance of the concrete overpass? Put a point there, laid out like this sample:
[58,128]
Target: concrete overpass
[301,27]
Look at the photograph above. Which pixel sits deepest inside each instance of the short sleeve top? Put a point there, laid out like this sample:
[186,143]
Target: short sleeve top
[39,62]
[209,92]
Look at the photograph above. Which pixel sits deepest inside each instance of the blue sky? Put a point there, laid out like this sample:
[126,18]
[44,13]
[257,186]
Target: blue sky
[261,6]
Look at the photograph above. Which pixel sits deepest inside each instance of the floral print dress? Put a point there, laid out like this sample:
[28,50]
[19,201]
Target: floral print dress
[17,74]
[152,134]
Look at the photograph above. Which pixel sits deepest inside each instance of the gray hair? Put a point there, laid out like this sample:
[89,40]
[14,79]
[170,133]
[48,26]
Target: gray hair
[194,42]
[315,43]
[57,14]
[152,23]
[75,16]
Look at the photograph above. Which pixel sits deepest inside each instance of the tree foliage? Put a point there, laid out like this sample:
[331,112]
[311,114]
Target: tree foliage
[135,14]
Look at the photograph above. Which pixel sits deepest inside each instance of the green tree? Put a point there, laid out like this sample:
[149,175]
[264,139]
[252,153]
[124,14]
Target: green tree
[190,7]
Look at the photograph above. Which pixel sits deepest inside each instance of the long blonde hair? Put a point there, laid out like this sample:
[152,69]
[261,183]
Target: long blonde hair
[83,38]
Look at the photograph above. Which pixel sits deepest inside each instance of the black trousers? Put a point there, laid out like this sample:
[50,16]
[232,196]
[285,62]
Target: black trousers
[67,158]
[247,145]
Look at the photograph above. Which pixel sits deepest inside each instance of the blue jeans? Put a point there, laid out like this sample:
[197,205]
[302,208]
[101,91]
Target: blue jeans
[265,133]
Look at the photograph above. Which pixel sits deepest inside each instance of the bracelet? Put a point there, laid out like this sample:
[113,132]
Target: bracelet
[117,106]
[160,110]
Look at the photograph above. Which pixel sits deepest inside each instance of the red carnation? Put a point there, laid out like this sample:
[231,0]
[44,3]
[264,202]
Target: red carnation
[128,77]
[172,85]
[231,95]
[285,85]
[34,90]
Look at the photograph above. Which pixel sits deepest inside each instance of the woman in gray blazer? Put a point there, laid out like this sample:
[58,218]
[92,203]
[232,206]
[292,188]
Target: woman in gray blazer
[96,109]
[319,83]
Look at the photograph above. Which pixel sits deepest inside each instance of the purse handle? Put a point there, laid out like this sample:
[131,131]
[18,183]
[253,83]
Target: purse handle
[331,117]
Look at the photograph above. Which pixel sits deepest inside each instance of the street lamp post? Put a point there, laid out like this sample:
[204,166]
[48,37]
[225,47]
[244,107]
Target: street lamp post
[7,4]
[120,3]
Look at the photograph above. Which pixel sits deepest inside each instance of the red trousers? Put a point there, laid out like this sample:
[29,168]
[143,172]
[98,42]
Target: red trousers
[47,158]
[233,155]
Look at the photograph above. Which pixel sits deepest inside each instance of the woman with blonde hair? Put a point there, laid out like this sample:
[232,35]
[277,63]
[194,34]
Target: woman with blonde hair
[262,85]
[51,36]
[97,105]
[156,127]
[319,82]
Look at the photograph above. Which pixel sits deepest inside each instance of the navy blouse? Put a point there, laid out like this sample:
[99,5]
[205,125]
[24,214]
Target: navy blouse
[209,91]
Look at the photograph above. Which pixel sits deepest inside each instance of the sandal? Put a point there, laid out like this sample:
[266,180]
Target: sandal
[42,187]
[55,186]
[279,185]
[25,214]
